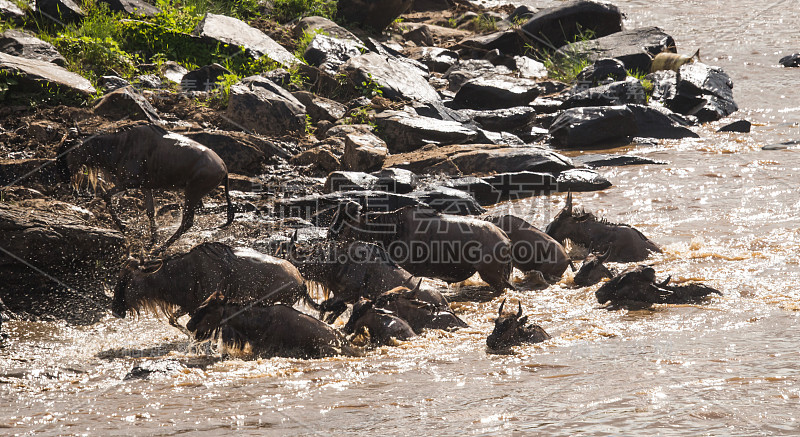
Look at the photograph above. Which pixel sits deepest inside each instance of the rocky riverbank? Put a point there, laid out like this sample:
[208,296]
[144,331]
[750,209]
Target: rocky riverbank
[442,103]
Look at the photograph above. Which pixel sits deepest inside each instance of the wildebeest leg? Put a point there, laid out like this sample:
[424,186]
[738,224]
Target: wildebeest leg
[186,222]
[149,205]
[107,198]
[173,320]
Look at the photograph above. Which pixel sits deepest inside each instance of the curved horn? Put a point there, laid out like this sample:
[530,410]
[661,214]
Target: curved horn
[605,256]
[666,281]
[416,287]
[500,311]
[519,313]
[568,205]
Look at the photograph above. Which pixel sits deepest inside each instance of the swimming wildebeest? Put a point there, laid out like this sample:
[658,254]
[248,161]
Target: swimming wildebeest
[148,157]
[179,284]
[403,303]
[352,270]
[381,325]
[532,249]
[276,330]
[625,242]
[429,244]
[510,330]
[637,285]
[593,271]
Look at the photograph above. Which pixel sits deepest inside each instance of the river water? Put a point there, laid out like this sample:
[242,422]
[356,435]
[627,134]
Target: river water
[726,213]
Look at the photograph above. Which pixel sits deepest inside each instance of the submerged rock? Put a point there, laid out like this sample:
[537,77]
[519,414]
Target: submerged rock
[791,60]
[634,48]
[228,30]
[580,127]
[741,126]
[45,73]
[598,160]
[397,80]
[581,180]
[569,20]
[26,45]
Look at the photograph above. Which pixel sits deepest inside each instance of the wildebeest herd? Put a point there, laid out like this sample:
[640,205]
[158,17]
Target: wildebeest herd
[371,261]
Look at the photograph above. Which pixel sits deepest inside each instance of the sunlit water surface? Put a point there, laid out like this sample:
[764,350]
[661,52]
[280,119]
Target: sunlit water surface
[726,213]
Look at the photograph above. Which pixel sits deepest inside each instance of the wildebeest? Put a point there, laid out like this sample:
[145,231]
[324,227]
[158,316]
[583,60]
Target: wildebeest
[429,244]
[625,242]
[381,325]
[531,248]
[672,61]
[276,330]
[593,271]
[148,157]
[179,284]
[637,285]
[352,270]
[510,330]
[403,303]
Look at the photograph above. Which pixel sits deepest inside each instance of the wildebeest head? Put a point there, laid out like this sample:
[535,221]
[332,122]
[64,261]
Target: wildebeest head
[593,271]
[634,284]
[403,302]
[347,216]
[127,294]
[566,222]
[506,327]
[208,317]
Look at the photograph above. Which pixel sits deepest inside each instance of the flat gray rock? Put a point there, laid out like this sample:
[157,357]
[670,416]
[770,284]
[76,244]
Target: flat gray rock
[329,53]
[46,73]
[259,105]
[398,80]
[496,92]
[256,43]
[10,11]
[26,45]
[404,132]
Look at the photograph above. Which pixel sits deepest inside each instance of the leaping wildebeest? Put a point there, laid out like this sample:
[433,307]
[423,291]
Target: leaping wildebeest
[148,157]
[624,242]
[429,244]
[179,284]
[276,330]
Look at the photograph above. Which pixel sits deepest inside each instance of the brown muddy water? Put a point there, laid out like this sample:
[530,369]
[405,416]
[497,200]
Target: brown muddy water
[725,211]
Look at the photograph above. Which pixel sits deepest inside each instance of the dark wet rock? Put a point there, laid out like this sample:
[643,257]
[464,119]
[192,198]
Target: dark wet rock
[349,181]
[240,155]
[204,78]
[581,180]
[435,58]
[791,60]
[363,152]
[329,53]
[173,71]
[521,184]
[629,90]
[579,127]
[60,243]
[792,144]
[449,200]
[595,160]
[132,7]
[45,73]
[659,122]
[155,368]
[635,47]
[150,81]
[482,191]
[467,70]
[397,80]
[320,108]
[396,180]
[375,14]
[228,30]
[697,89]
[258,104]
[308,206]
[567,21]
[496,92]
[111,83]
[500,120]
[404,132]
[10,11]
[321,156]
[602,69]
[741,126]
[66,11]
[26,45]
[322,25]
[507,42]
[125,103]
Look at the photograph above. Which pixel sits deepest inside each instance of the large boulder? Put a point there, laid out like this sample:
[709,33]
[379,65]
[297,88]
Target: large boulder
[132,7]
[320,108]
[235,148]
[659,122]
[26,45]
[629,90]
[710,86]
[562,24]
[329,53]
[580,127]
[59,11]
[260,105]
[449,200]
[45,73]
[464,71]
[126,103]
[404,132]
[396,79]
[496,92]
[228,30]
[10,11]
[602,69]
[635,48]
[363,152]
[502,120]
[581,179]
[374,14]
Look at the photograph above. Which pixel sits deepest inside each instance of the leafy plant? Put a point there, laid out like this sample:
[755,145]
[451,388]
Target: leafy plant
[484,23]
[564,65]
[287,10]
[368,88]
[305,41]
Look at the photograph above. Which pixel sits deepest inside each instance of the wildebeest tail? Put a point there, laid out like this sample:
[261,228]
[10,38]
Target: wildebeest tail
[228,199]
[309,300]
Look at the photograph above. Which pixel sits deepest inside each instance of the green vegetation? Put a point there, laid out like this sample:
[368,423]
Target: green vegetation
[287,10]
[484,23]
[564,65]
[368,88]
[305,40]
